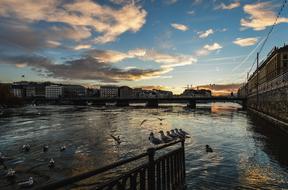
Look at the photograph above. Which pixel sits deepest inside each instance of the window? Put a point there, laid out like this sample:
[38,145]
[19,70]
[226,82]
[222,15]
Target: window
[285,56]
[285,63]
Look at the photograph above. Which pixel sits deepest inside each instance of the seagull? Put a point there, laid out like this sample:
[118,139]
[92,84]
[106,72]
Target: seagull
[208,148]
[164,138]
[51,163]
[183,132]
[26,147]
[160,119]
[143,122]
[62,148]
[171,135]
[173,132]
[117,139]
[45,148]
[153,139]
[10,173]
[178,133]
[28,183]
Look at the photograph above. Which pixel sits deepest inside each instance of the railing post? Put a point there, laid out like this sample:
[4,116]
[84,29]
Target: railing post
[183,162]
[151,169]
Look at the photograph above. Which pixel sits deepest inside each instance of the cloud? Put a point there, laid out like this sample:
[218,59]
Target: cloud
[262,15]
[80,15]
[82,46]
[85,68]
[243,42]
[229,6]
[206,49]
[181,27]
[205,34]
[191,12]
[170,2]
[165,60]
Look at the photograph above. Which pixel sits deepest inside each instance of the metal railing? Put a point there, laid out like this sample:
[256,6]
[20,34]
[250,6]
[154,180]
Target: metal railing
[165,172]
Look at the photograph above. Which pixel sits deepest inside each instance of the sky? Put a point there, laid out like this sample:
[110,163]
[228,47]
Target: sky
[165,44]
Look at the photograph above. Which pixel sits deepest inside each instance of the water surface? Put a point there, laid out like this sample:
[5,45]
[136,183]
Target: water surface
[249,153]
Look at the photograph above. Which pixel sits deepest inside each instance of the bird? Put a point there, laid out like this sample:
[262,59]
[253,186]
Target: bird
[171,135]
[117,139]
[179,133]
[45,148]
[62,148]
[183,132]
[10,173]
[26,147]
[143,122]
[173,132]
[51,163]
[27,183]
[208,148]
[153,139]
[160,119]
[164,138]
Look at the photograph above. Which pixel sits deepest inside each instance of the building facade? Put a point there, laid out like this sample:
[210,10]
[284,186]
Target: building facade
[267,88]
[197,93]
[53,91]
[74,91]
[109,91]
[125,92]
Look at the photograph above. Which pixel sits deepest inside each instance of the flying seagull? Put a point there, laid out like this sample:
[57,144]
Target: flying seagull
[143,122]
[117,139]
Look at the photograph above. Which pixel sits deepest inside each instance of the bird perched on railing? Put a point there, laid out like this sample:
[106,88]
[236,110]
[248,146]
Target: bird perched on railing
[153,139]
[173,136]
[117,139]
[164,138]
[183,133]
[28,183]
[174,132]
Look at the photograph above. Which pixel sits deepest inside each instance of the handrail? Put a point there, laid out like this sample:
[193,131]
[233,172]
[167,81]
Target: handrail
[76,178]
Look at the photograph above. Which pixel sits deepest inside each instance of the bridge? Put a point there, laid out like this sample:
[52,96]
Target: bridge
[150,102]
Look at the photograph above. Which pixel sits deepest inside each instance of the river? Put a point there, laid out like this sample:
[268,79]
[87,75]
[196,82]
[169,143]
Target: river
[249,153]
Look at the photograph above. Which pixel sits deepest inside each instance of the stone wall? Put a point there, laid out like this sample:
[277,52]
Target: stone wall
[273,103]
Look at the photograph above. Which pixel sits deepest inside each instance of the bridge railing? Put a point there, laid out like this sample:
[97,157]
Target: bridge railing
[165,172]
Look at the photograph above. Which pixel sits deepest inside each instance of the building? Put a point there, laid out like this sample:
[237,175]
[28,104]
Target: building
[137,92]
[197,93]
[163,93]
[53,91]
[126,92]
[29,89]
[109,91]
[74,90]
[93,92]
[267,88]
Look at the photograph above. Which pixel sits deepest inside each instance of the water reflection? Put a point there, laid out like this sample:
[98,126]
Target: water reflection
[248,152]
